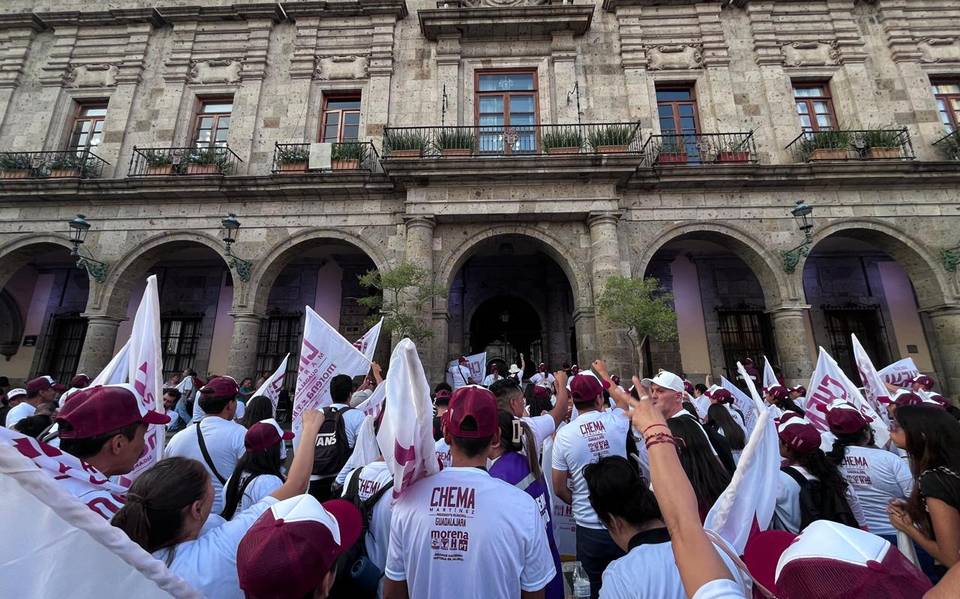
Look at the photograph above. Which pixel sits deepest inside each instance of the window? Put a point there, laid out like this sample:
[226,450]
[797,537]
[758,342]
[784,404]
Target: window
[61,351]
[341,119]
[744,334]
[679,121]
[507,111]
[279,335]
[87,130]
[178,341]
[814,107]
[947,94]
[213,123]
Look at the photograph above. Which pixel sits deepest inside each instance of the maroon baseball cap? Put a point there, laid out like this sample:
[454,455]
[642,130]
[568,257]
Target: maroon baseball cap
[905,397]
[479,405]
[688,387]
[777,392]
[221,386]
[844,418]
[586,387]
[923,380]
[291,547]
[442,397]
[799,435]
[799,389]
[42,383]
[102,409]
[762,552]
[720,396]
[264,435]
[541,392]
[80,381]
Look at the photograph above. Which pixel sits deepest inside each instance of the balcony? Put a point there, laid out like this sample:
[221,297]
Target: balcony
[949,145]
[497,20]
[678,149]
[868,144]
[525,140]
[80,164]
[195,161]
[301,158]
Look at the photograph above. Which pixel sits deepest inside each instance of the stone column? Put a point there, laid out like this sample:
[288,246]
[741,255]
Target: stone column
[448,79]
[98,344]
[612,342]
[563,50]
[797,357]
[945,329]
[556,348]
[418,251]
[242,361]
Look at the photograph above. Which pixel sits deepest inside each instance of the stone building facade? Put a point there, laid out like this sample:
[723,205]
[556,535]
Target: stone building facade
[628,137]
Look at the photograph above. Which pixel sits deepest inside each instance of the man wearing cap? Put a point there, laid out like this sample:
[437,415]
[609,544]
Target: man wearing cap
[542,376]
[594,434]
[461,532]
[494,375]
[216,441]
[510,399]
[104,426]
[39,390]
[13,398]
[460,373]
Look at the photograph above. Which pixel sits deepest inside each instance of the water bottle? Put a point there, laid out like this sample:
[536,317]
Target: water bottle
[581,583]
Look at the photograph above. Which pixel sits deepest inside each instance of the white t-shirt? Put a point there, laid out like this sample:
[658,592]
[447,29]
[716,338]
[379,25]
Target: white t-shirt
[541,377]
[787,512]
[443,452]
[491,379]
[458,376]
[591,436]
[261,486]
[209,562]
[452,537]
[19,412]
[878,477]
[224,440]
[720,589]
[373,477]
[649,571]
[541,426]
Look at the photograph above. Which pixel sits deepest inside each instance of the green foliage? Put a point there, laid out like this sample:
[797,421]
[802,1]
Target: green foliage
[455,139]
[949,146]
[404,294]
[613,135]
[404,140]
[348,151]
[293,154]
[822,140]
[881,138]
[208,156]
[15,162]
[561,138]
[673,144]
[641,306]
[156,157]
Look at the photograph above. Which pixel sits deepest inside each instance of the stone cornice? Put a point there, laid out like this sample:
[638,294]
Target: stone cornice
[296,10]
[22,21]
[233,12]
[506,22]
[593,167]
[101,18]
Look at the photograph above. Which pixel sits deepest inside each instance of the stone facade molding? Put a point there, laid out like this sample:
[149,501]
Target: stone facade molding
[15,253]
[340,67]
[922,31]
[803,34]
[657,37]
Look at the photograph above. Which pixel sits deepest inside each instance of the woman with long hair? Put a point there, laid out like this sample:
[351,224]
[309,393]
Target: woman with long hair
[257,473]
[779,396]
[720,420]
[704,469]
[931,515]
[259,408]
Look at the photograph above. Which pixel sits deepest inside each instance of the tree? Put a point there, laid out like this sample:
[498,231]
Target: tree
[642,307]
[405,292]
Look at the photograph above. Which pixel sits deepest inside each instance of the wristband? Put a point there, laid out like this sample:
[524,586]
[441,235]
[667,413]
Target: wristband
[661,440]
[658,436]
[644,431]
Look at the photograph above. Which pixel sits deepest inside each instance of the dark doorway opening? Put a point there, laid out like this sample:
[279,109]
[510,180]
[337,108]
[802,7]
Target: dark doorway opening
[505,327]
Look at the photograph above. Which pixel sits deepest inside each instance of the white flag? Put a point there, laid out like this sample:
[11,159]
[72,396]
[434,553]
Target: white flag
[145,373]
[829,383]
[272,387]
[876,392]
[116,371]
[769,377]
[367,345]
[371,406]
[900,372]
[324,354]
[475,368]
[743,403]
[406,432]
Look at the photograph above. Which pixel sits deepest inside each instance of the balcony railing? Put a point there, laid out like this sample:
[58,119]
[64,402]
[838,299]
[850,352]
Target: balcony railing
[344,156]
[82,164]
[515,140]
[700,148]
[864,144]
[949,145]
[208,160]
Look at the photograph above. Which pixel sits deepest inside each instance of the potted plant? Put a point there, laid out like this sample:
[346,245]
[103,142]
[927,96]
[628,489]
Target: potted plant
[404,144]
[732,151]
[950,146]
[882,143]
[562,141]
[206,161]
[159,162]
[672,151]
[348,155]
[15,166]
[293,158]
[612,139]
[827,145]
[456,142]
[67,164]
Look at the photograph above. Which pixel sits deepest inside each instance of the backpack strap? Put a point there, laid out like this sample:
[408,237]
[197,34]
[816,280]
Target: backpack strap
[206,455]
[353,486]
[795,474]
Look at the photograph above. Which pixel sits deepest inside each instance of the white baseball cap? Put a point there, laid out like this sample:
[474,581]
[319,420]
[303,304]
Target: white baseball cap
[665,379]
[15,393]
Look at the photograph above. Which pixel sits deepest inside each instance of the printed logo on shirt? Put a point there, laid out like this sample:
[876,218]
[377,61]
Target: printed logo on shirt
[595,435]
[452,507]
[368,488]
[856,470]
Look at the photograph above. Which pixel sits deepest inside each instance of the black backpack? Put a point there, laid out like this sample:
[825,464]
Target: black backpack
[815,504]
[332,449]
[356,558]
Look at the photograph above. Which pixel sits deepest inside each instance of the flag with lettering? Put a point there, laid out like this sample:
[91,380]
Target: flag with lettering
[272,387]
[475,368]
[324,353]
[874,390]
[769,377]
[900,372]
[372,405]
[367,345]
[406,432]
[116,371]
[829,383]
[145,374]
[742,402]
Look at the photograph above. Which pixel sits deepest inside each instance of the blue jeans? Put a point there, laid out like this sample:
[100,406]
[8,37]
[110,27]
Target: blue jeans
[595,550]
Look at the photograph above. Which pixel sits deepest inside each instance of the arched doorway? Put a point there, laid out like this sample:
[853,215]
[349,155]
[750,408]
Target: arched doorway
[505,327]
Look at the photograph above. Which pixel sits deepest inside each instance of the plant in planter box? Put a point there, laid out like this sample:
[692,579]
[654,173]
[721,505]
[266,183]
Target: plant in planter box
[15,166]
[293,158]
[348,155]
[881,143]
[732,150]
[456,142]
[826,145]
[612,139]
[207,161]
[158,162]
[949,146]
[68,164]
[404,144]
[672,151]
[562,141]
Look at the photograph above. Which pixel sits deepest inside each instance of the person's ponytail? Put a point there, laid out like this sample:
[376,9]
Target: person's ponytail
[133,520]
[530,446]
[839,449]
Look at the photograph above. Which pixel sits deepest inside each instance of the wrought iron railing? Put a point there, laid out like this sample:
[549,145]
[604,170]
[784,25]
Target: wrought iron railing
[347,155]
[852,144]
[82,164]
[515,140]
[479,3]
[700,148]
[206,160]
[949,145]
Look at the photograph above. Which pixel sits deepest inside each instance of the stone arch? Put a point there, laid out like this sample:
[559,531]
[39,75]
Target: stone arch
[112,297]
[931,283]
[766,265]
[579,279]
[15,254]
[267,268]
[486,297]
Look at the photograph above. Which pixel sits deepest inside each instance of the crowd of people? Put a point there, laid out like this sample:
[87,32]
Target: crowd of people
[640,462]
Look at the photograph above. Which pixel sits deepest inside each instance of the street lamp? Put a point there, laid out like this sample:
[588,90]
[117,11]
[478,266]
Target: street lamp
[803,215]
[78,234]
[229,231]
